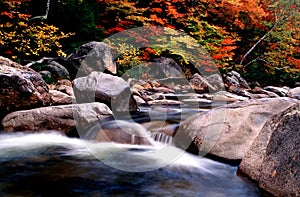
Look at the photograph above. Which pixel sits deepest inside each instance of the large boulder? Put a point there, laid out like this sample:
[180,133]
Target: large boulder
[63,118]
[20,88]
[294,93]
[228,132]
[111,90]
[168,68]
[211,83]
[93,56]
[274,158]
[56,70]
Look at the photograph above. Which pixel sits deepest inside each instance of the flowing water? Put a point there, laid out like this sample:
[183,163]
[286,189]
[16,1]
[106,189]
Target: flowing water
[49,164]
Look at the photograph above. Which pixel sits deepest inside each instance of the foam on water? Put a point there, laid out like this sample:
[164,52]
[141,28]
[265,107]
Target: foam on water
[75,163]
[36,140]
[134,157]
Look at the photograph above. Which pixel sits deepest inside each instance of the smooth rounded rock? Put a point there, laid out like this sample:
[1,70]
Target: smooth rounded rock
[21,88]
[100,87]
[274,158]
[63,118]
[228,132]
[93,56]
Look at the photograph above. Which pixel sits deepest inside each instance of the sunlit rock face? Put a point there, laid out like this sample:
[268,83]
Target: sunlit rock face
[228,132]
[21,88]
[100,87]
[273,160]
[294,93]
[63,118]
[93,56]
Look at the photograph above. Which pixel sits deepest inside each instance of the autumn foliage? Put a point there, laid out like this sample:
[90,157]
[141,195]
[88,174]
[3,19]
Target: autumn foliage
[22,38]
[227,29]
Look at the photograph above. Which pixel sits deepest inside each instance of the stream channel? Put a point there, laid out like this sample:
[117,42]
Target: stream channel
[50,164]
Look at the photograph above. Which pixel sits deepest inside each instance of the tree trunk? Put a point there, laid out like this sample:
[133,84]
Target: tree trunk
[43,17]
[259,41]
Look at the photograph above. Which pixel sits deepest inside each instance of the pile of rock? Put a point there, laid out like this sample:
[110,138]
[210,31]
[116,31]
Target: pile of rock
[257,126]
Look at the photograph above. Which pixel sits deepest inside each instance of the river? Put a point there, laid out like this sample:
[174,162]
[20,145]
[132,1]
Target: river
[49,164]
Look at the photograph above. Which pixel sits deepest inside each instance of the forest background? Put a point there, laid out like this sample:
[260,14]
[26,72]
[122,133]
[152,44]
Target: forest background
[258,38]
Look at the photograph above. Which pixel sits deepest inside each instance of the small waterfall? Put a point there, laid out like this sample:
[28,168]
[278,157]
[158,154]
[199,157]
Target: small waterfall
[28,158]
[132,139]
[162,137]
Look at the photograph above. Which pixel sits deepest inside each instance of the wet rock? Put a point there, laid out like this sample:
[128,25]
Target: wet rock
[139,100]
[197,102]
[259,90]
[57,70]
[160,126]
[92,56]
[216,81]
[239,91]
[259,96]
[138,87]
[282,92]
[105,88]
[158,96]
[64,82]
[20,88]
[223,96]
[236,84]
[169,67]
[146,97]
[122,132]
[212,83]
[154,84]
[294,93]
[273,159]
[63,118]
[139,83]
[65,89]
[163,90]
[198,83]
[64,86]
[233,78]
[178,84]
[228,132]
[164,102]
[60,98]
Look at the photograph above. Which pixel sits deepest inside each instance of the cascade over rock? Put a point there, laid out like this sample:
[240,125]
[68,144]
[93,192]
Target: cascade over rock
[125,133]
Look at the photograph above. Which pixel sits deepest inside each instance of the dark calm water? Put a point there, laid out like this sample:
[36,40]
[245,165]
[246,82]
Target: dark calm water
[49,164]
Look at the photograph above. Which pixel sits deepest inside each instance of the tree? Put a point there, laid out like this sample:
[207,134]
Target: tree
[25,39]
[282,13]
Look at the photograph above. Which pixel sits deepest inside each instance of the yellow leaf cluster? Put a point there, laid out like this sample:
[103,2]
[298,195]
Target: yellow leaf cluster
[21,38]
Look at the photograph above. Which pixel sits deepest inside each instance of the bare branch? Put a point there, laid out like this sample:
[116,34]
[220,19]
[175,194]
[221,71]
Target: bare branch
[44,17]
[258,42]
[257,59]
